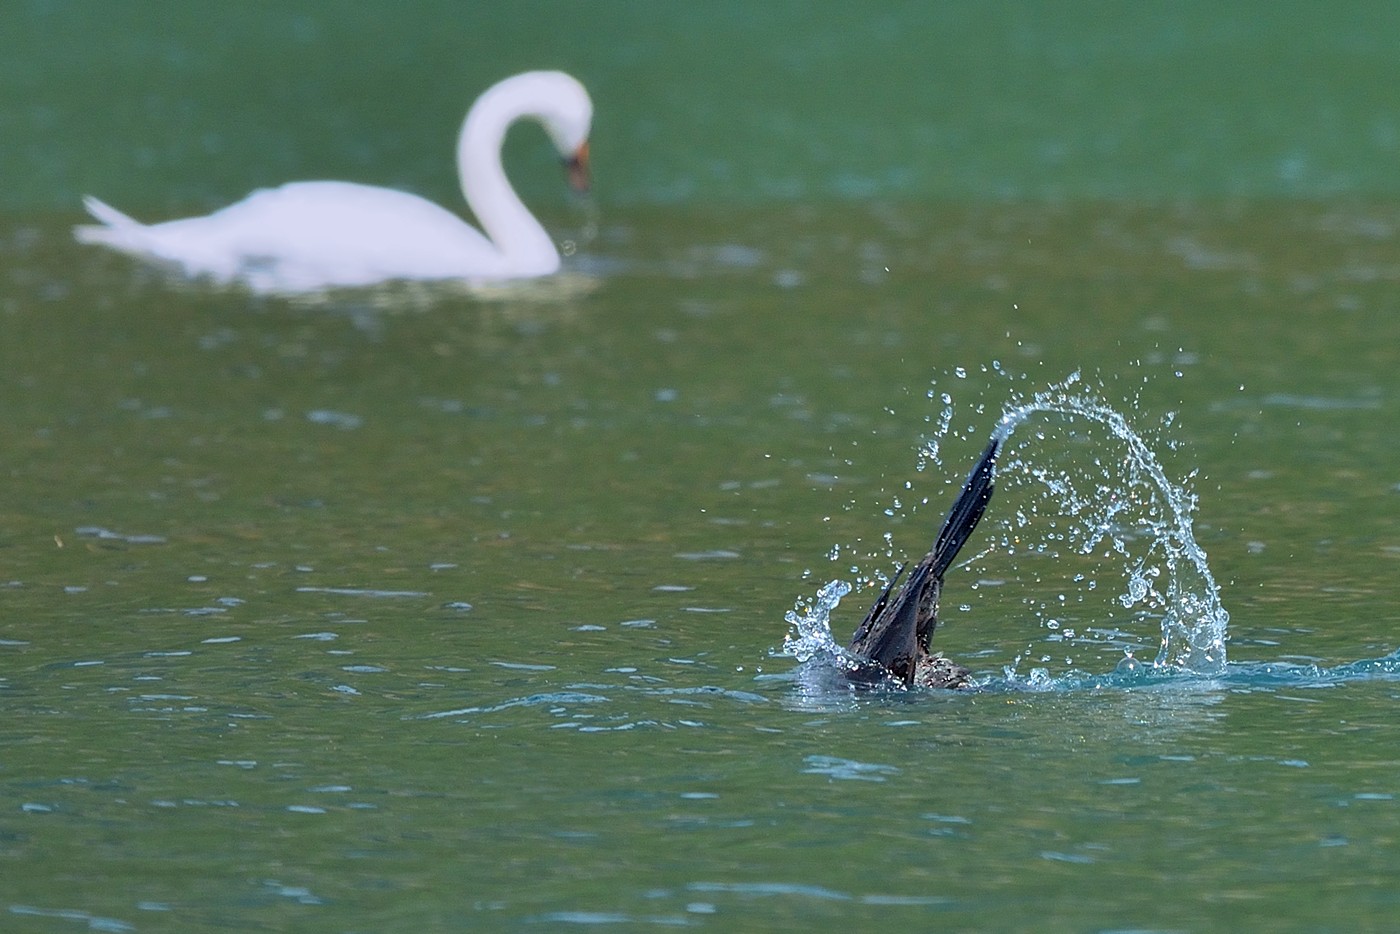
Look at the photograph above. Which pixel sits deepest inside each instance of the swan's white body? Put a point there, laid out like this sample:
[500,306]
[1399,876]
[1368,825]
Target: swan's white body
[311,236]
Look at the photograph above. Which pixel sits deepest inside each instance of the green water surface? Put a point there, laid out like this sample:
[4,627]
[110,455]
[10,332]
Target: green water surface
[422,610]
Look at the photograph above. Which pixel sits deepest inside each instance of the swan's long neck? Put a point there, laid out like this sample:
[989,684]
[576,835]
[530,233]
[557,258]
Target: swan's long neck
[524,245]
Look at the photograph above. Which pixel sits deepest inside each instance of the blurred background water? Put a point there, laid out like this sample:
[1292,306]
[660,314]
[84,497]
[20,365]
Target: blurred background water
[431,611]
[165,105]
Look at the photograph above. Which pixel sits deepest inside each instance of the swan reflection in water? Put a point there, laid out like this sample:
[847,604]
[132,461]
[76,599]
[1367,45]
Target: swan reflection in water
[311,236]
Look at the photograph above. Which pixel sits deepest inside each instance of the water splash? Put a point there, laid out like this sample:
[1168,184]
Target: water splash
[1172,576]
[809,637]
[1130,503]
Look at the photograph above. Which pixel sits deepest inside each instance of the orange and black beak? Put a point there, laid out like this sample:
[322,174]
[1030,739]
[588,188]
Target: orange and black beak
[576,166]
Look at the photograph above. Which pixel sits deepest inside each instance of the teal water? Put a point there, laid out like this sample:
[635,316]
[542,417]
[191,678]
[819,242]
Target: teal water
[422,610]
[166,105]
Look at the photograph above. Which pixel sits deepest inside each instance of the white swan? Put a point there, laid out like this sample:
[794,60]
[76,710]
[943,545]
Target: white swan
[309,236]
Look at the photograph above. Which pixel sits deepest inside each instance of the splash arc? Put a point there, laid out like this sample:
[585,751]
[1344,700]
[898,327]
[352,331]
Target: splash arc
[1194,623]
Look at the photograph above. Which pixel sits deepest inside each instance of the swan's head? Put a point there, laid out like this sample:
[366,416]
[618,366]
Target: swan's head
[564,108]
[555,99]
[566,111]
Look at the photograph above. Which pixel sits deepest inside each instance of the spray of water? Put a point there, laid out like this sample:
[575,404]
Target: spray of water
[1135,512]
[1193,620]
[809,637]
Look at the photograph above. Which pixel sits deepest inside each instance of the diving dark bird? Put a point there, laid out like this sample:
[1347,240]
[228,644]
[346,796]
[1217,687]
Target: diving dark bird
[894,639]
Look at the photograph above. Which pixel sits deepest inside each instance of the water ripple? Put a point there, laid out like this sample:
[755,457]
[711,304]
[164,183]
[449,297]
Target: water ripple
[101,534]
[709,689]
[847,769]
[534,700]
[92,922]
[362,592]
[771,888]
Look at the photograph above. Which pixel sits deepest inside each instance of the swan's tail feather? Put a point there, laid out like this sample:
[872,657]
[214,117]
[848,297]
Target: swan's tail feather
[116,230]
[107,214]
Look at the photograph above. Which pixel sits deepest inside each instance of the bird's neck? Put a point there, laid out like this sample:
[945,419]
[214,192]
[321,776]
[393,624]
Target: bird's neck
[521,240]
